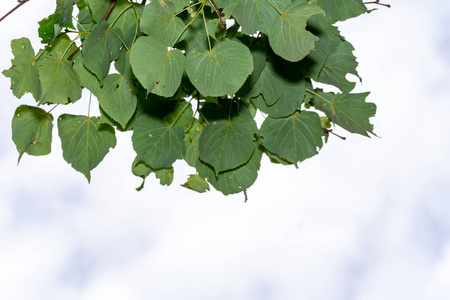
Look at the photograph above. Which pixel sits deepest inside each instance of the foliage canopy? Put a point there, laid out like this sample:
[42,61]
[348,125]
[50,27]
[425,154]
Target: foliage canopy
[188,78]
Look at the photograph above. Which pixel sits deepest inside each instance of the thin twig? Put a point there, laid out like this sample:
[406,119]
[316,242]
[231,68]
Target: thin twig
[331,131]
[219,13]
[377,2]
[109,11]
[21,2]
[74,52]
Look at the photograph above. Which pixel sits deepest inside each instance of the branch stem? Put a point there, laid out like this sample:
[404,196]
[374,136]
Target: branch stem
[21,2]
[377,2]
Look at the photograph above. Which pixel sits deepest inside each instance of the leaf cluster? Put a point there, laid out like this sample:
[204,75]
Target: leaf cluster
[188,78]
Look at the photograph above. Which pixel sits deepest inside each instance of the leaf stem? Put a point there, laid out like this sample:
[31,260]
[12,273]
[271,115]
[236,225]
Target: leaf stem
[118,36]
[190,22]
[120,14]
[321,97]
[276,8]
[207,33]
[53,108]
[219,13]
[182,111]
[186,8]
[67,49]
[89,107]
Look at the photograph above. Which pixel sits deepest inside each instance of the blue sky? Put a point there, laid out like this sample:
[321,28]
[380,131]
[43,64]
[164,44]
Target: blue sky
[365,219]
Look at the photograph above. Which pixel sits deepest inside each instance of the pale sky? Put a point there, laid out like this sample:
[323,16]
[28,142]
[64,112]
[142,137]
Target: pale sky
[365,219]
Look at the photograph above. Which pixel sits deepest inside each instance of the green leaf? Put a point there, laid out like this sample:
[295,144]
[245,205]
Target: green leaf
[123,64]
[294,138]
[196,183]
[288,36]
[156,142]
[100,48]
[60,82]
[350,111]
[118,98]
[192,139]
[32,130]
[291,99]
[49,28]
[24,73]
[221,71]
[141,169]
[235,180]
[165,175]
[126,20]
[161,23]
[337,65]
[329,39]
[341,10]
[99,8]
[64,9]
[195,37]
[259,53]
[158,69]
[87,79]
[62,47]
[227,144]
[257,15]
[84,142]
[269,85]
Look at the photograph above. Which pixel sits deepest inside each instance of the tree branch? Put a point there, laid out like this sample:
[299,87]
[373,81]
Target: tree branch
[377,2]
[21,2]
[109,11]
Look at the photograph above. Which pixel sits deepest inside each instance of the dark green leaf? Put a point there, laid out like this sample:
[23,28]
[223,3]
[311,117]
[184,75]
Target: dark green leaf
[161,23]
[158,69]
[62,47]
[337,65]
[257,15]
[32,130]
[288,36]
[99,8]
[291,99]
[269,85]
[294,138]
[118,99]
[64,9]
[350,111]
[60,83]
[100,48]
[221,71]
[192,139]
[49,28]
[341,10]
[126,20]
[227,144]
[236,180]
[84,142]
[156,142]
[87,79]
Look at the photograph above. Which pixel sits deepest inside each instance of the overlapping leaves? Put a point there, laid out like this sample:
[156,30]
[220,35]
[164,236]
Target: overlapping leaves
[189,85]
